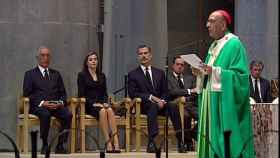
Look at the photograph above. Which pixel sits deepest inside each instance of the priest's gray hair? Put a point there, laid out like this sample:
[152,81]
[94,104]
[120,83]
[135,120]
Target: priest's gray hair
[40,48]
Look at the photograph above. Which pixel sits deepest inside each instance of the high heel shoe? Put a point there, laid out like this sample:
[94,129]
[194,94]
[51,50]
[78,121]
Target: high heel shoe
[109,149]
[117,150]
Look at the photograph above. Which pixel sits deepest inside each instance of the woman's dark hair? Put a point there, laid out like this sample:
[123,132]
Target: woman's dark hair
[85,66]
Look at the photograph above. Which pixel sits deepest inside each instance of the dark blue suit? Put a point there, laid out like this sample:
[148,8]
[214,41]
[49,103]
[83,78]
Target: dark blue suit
[265,90]
[37,88]
[139,86]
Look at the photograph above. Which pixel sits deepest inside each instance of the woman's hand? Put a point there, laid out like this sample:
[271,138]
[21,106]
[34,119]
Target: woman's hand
[105,105]
[98,105]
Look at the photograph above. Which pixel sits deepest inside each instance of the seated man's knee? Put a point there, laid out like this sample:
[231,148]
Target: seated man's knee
[45,115]
[66,115]
[69,116]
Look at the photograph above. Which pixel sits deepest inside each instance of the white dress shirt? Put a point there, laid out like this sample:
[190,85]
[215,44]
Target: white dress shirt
[149,70]
[259,85]
[42,70]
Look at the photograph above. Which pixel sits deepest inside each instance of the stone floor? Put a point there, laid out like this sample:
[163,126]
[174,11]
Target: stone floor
[96,155]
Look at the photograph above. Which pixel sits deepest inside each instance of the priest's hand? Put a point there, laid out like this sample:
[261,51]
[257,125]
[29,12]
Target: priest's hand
[207,69]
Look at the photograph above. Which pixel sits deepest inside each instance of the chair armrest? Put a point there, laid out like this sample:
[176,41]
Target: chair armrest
[137,102]
[128,105]
[81,106]
[25,103]
[180,100]
[73,103]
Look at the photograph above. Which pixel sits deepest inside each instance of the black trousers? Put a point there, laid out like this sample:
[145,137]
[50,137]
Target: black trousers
[190,113]
[152,110]
[44,114]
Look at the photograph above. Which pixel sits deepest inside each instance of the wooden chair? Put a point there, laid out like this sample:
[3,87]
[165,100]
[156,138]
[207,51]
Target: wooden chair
[88,120]
[26,120]
[124,121]
[141,120]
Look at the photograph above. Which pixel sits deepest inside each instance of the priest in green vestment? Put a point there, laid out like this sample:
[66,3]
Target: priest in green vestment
[225,123]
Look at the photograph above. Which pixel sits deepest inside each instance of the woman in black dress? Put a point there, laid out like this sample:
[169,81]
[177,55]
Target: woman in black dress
[92,86]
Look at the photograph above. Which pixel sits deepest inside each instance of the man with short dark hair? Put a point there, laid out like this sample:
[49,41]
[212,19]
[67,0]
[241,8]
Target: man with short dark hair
[260,89]
[183,85]
[149,84]
[44,86]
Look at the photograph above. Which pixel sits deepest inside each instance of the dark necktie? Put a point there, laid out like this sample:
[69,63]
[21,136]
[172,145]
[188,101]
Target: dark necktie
[257,94]
[180,83]
[147,74]
[46,74]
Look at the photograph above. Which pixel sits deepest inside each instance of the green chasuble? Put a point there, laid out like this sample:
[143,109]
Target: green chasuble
[224,102]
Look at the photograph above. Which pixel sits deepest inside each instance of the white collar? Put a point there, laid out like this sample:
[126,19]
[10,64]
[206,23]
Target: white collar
[144,68]
[221,39]
[176,75]
[253,78]
[43,69]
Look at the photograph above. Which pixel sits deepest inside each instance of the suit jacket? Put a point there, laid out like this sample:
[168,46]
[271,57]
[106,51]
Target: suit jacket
[174,88]
[93,91]
[37,88]
[139,86]
[265,90]
[175,91]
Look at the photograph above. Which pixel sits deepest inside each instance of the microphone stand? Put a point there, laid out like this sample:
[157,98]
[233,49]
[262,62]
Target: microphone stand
[16,151]
[166,112]
[123,88]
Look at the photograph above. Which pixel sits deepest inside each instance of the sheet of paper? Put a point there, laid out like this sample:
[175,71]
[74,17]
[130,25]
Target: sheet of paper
[193,60]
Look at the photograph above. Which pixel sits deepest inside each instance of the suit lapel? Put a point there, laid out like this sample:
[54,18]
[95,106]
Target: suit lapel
[251,86]
[39,74]
[175,81]
[51,74]
[154,78]
[262,87]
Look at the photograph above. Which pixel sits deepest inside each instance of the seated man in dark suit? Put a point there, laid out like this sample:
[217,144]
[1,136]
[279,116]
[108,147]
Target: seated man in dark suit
[260,89]
[180,85]
[149,84]
[44,86]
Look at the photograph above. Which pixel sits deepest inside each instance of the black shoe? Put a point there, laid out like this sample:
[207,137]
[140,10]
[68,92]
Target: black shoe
[60,149]
[109,151]
[151,148]
[44,149]
[190,147]
[182,148]
[117,151]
